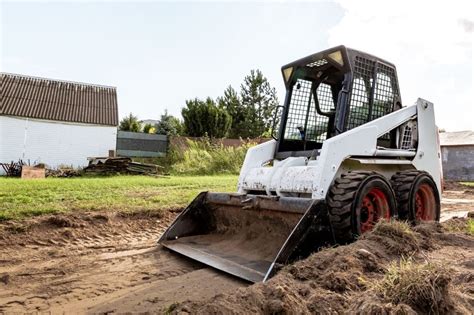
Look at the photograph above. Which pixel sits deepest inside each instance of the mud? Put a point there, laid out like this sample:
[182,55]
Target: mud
[109,262]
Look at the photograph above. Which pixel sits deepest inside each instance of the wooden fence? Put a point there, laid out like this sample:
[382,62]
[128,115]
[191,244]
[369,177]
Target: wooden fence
[139,144]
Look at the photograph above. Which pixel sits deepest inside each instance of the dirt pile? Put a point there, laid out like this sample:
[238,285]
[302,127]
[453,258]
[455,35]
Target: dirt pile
[384,272]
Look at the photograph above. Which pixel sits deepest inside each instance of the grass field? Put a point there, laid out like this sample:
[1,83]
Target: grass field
[25,198]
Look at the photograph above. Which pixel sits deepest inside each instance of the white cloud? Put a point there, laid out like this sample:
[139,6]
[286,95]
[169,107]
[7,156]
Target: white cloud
[431,43]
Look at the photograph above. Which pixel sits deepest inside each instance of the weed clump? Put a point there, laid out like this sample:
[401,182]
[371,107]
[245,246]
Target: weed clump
[470,226]
[460,225]
[207,158]
[424,287]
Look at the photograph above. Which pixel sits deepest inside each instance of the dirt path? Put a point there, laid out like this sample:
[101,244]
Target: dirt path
[102,263]
[97,264]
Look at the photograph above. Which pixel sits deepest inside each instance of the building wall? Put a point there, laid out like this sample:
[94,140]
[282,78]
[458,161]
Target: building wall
[458,162]
[53,143]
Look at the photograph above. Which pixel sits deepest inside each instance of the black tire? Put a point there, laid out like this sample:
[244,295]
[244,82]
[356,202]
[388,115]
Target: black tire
[347,203]
[417,196]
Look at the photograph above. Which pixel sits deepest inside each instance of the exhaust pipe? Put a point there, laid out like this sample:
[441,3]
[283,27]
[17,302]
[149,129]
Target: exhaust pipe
[248,236]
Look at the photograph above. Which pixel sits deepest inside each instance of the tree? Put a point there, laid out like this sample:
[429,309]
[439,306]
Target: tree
[169,125]
[130,123]
[260,101]
[232,104]
[206,118]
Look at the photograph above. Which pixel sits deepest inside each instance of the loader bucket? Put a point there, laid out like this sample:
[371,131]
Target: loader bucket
[248,236]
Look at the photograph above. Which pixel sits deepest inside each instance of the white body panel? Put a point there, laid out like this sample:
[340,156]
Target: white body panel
[298,175]
[53,143]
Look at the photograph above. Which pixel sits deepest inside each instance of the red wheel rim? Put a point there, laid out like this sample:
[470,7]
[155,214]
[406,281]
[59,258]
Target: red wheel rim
[373,208]
[425,203]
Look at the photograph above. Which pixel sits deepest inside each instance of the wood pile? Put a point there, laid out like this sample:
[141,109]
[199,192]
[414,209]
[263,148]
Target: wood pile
[122,165]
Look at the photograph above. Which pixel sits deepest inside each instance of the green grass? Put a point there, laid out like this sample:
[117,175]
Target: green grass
[468,183]
[25,198]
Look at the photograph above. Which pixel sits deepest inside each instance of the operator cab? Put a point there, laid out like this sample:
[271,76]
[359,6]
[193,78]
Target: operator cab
[331,92]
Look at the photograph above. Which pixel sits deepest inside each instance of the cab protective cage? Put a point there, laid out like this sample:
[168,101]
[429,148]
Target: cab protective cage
[333,91]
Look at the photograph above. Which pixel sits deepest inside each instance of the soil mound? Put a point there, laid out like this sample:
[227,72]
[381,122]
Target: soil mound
[59,227]
[384,272]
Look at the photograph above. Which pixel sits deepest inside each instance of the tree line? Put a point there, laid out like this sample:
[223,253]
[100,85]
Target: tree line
[247,113]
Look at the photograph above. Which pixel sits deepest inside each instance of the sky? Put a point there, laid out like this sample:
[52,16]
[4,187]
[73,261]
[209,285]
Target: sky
[159,54]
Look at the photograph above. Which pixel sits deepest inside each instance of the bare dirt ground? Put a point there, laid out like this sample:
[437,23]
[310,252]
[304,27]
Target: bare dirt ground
[105,263]
[97,263]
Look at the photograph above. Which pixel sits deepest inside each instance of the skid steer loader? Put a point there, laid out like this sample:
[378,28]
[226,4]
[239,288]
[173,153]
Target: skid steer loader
[347,154]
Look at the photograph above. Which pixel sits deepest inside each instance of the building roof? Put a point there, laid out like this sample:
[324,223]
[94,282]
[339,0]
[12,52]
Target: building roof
[456,138]
[33,97]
